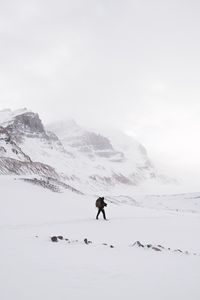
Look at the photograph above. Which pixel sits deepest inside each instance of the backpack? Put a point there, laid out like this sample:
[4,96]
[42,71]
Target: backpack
[99,203]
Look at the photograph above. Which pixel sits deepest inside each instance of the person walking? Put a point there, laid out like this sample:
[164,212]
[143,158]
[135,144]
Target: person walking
[100,204]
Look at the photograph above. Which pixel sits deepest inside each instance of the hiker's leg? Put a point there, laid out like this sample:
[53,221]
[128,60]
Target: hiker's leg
[98,213]
[104,214]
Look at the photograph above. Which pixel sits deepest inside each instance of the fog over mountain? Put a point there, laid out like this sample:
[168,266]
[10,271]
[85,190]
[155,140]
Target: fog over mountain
[99,149]
[132,66]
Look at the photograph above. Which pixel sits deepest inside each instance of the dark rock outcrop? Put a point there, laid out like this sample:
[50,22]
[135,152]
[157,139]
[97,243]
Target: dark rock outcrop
[10,166]
[26,124]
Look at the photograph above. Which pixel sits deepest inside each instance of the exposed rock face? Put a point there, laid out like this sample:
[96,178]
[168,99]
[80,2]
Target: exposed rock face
[27,124]
[13,131]
[96,141]
[10,166]
[9,149]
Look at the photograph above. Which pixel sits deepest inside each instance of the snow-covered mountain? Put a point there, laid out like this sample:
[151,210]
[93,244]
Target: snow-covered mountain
[51,241]
[13,160]
[108,159]
[86,159]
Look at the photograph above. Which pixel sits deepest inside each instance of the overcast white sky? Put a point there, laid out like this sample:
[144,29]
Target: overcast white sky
[130,64]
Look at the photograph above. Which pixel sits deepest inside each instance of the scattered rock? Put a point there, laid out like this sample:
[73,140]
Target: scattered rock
[87,242]
[54,239]
[138,244]
[156,248]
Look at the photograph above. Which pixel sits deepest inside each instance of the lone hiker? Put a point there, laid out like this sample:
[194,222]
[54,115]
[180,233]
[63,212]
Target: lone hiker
[100,204]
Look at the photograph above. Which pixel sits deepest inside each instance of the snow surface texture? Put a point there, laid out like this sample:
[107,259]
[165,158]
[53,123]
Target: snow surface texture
[33,267]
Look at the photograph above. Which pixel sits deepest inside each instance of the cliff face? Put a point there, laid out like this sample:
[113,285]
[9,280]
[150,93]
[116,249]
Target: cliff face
[8,147]
[15,128]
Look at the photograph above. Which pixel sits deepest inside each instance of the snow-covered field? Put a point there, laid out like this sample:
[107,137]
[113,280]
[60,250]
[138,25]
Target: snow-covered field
[33,267]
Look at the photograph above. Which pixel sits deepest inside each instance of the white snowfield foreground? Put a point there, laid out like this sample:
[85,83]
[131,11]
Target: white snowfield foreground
[33,267]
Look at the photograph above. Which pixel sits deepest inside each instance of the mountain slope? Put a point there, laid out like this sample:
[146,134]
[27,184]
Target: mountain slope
[110,159]
[13,161]
[86,159]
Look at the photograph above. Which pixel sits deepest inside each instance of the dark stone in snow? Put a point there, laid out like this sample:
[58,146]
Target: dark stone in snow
[60,237]
[138,244]
[87,242]
[177,250]
[111,246]
[156,248]
[54,239]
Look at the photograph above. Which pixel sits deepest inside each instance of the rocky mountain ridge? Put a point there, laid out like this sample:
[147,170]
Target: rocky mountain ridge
[85,159]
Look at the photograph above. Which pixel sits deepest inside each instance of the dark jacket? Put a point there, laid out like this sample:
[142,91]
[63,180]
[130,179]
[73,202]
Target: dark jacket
[100,203]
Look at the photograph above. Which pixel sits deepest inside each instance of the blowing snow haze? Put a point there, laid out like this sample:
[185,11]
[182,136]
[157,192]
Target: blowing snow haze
[99,98]
[129,65]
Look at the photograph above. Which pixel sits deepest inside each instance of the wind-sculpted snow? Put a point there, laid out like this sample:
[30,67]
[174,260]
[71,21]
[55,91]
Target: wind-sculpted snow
[180,203]
[174,203]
